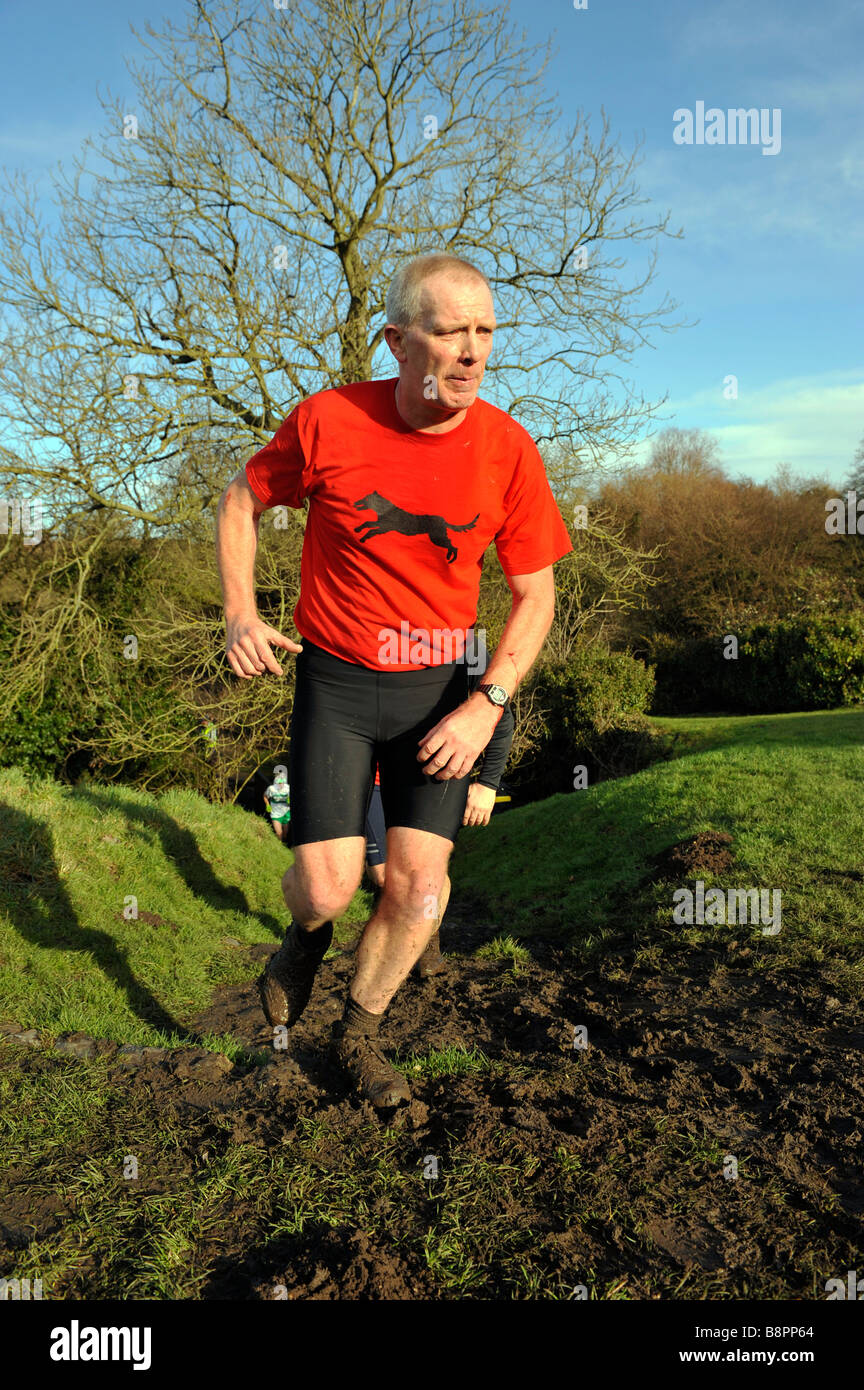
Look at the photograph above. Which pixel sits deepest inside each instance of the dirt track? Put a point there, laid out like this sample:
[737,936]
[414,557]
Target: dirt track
[683,1069]
[624,1150]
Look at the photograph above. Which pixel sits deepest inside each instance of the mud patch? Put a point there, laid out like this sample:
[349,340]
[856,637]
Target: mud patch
[690,1128]
[327,1264]
[708,853]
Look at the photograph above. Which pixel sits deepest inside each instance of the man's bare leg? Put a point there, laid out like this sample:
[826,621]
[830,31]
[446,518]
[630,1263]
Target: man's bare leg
[394,937]
[431,961]
[323,879]
[406,917]
[444,899]
[317,888]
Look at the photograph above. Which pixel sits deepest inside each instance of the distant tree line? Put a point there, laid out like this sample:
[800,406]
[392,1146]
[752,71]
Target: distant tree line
[111,648]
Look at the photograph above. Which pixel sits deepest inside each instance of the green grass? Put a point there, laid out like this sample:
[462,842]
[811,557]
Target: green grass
[837,728]
[788,788]
[505,948]
[158,1236]
[72,955]
[455,1060]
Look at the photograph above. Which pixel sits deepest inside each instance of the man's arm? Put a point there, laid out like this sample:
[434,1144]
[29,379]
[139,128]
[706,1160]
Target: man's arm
[525,631]
[248,639]
[453,746]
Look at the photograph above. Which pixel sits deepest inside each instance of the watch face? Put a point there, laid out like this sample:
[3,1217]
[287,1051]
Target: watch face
[497,693]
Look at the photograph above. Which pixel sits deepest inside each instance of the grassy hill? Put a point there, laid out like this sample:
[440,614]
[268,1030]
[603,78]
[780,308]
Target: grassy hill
[788,788]
[72,954]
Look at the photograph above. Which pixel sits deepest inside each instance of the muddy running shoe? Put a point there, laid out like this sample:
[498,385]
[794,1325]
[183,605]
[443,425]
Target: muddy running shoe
[360,1058]
[286,983]
[431,962]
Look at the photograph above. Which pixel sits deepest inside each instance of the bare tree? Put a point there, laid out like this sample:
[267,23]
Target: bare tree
[685,452]
[224,250]
[228,249]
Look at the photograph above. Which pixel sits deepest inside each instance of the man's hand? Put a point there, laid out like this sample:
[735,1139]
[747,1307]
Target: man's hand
[452,748]
[247,644]
[479,807]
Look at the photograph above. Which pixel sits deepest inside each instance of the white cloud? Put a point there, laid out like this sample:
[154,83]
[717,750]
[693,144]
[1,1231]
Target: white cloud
[44,142]
[738,28]
[831,95]
[746,57]
[851,166]
[722,194]
[811,423]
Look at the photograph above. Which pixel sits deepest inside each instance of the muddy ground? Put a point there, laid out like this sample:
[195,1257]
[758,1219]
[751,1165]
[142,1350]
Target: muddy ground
[772,1073]
[694,1064]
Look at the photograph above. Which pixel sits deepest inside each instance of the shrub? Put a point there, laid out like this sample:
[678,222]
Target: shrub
[797,664]
[591,709]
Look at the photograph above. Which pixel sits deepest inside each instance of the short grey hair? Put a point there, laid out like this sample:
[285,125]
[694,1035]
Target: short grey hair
[404,297]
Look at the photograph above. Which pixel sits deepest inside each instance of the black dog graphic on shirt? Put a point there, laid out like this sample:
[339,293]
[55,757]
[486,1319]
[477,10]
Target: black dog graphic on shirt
[389,517]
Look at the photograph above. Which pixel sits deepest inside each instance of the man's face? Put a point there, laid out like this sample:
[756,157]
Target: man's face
[442,356]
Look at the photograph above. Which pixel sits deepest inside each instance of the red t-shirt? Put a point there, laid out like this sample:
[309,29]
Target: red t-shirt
[399,521]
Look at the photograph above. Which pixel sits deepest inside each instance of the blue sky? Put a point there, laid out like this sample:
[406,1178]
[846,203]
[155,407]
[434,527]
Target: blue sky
[770,264]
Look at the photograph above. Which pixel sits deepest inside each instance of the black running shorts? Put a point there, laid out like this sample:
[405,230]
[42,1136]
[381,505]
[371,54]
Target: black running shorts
[346,718]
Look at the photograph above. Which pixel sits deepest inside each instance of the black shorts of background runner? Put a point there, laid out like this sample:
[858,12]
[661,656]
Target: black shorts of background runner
[346,718]
[376,830]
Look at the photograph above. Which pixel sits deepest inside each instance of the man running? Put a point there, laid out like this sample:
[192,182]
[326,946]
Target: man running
[408,480]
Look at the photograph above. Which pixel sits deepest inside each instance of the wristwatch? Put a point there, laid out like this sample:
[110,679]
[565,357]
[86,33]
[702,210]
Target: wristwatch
[495,693]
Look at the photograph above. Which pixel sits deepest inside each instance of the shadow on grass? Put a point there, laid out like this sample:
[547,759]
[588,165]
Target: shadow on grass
[43,913]
[181,847]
